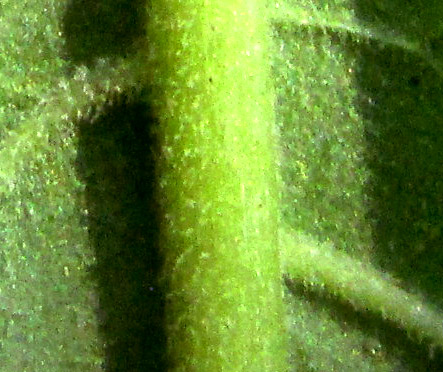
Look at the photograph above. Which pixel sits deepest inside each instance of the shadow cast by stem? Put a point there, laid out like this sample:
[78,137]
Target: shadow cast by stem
[115,163]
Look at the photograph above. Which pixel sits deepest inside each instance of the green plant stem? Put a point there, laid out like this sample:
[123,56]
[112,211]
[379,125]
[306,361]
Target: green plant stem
[322,266]
[217,185]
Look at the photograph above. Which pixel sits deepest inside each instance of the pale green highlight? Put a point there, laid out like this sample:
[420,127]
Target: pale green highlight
[217,185]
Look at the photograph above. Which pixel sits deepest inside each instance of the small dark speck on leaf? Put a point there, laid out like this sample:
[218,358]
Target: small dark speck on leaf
[414,81]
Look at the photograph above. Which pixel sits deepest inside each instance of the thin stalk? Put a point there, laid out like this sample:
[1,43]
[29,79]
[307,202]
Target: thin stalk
[323,267]
[339,23]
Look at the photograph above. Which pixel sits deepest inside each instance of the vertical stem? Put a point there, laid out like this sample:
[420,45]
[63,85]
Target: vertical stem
[217,185]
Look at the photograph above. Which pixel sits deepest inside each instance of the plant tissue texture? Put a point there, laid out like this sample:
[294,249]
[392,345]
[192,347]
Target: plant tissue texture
[218,186]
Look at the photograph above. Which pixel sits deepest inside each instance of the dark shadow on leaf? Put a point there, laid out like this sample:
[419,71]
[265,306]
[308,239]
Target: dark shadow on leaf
[416,18]
[400,98]
[414,356]
[102,28]
[114,161]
